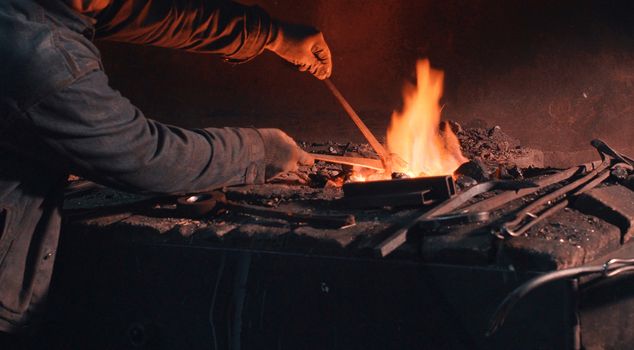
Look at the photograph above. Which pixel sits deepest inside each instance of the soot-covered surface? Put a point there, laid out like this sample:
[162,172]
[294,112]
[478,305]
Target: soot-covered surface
[133,272]
[570,238]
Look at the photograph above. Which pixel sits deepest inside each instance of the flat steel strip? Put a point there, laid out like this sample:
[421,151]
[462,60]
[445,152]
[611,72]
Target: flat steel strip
[354,161]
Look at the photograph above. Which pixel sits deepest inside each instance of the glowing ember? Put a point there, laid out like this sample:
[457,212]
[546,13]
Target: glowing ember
[414,134]
[363,174]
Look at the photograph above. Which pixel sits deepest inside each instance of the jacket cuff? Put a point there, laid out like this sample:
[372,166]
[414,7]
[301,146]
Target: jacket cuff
[238,156]
[256,170]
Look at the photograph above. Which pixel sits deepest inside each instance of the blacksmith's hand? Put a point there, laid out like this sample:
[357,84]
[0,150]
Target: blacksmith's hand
[282,153]
[304,47]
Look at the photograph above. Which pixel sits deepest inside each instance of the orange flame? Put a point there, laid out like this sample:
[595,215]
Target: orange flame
[414,134]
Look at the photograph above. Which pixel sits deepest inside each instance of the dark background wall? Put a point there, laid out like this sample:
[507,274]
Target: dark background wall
[553,73]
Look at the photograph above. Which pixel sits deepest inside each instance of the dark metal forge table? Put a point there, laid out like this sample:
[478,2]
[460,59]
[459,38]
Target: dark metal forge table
[118,296]
[134,281]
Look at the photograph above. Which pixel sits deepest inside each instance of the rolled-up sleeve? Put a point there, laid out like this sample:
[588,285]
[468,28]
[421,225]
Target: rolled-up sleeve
[234,31]
[105,137]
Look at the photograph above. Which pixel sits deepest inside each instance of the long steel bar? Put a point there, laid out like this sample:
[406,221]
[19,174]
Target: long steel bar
[354,161]
[376,145]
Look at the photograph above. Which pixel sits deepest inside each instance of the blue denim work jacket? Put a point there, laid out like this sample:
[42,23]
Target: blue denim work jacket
[59,115]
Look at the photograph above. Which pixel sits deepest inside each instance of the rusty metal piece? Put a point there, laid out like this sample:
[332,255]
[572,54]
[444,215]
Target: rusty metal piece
[387,158]
[206,203]
[354,161]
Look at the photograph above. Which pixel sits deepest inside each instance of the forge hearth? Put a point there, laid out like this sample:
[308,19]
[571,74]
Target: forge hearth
[273,255]
[577,235]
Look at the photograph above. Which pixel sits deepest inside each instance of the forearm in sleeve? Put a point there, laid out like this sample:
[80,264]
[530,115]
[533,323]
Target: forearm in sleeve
[106,138]
[235,31]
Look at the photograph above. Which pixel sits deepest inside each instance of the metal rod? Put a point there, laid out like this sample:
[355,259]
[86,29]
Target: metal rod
[354,161]
[376,145]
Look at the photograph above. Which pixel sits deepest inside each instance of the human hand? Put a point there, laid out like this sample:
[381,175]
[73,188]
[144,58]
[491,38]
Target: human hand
[304,47]
[282,153]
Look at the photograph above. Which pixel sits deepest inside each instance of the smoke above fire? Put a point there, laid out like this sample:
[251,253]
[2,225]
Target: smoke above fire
[414,133]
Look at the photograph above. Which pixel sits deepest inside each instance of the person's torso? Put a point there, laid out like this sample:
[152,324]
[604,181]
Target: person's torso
[43,48]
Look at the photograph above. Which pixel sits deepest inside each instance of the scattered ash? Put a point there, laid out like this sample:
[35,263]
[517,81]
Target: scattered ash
[568,227]
[490,144]
[497,150]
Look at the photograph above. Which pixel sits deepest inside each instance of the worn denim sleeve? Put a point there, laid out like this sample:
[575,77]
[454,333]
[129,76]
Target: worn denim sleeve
[222,27]
[106,138]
